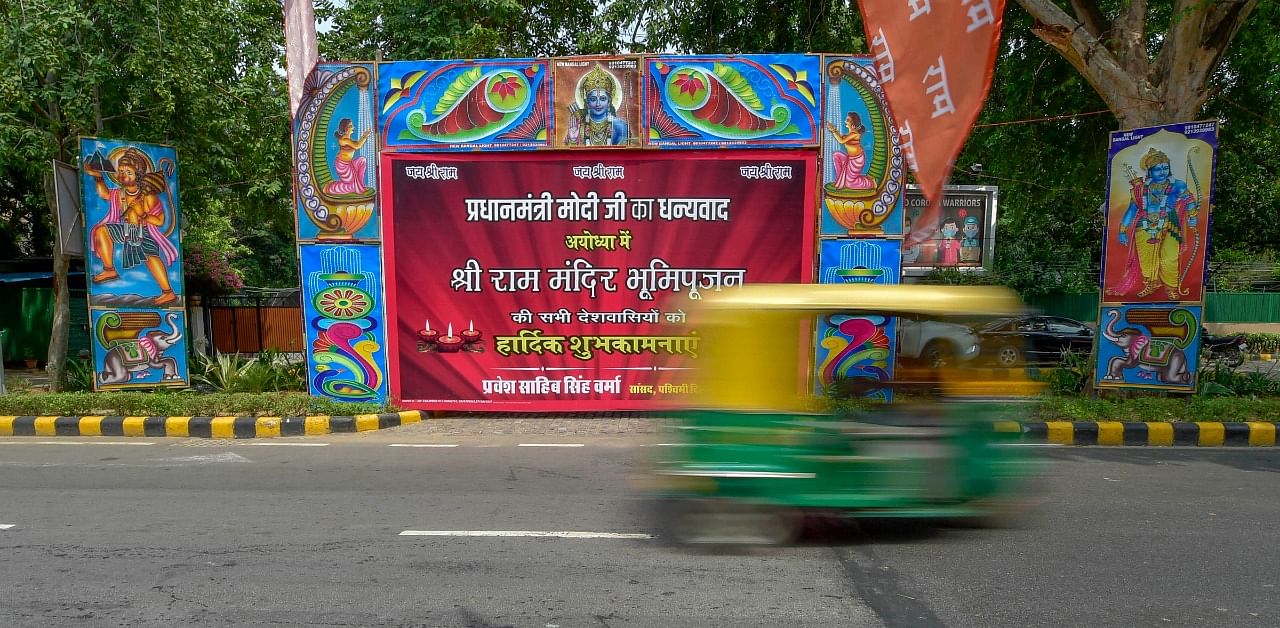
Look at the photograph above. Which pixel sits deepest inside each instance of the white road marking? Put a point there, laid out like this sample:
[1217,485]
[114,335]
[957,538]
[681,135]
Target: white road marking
[6,526]
[185,460]
[419,445]
[551,445]
[559,534]
[73,442]
[273,444]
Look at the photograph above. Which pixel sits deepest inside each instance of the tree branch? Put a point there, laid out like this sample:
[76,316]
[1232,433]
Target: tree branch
[1197,41]
[1090,16]
[1085,52]
[1129,39]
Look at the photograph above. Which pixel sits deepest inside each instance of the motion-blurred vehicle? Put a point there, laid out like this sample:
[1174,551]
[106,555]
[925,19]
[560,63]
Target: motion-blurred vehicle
[754,453]
[936,343]
[1015,341]
[1228,350]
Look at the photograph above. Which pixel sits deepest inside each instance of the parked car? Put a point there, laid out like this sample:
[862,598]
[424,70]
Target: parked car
[1033,340]
[936,343]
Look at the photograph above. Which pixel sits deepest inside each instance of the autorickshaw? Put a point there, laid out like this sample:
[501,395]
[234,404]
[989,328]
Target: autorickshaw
[761,446]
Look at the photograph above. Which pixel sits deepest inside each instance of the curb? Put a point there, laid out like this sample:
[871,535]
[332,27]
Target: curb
[1155,434]
[201,426]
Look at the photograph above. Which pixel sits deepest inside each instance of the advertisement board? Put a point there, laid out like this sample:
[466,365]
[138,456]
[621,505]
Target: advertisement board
[1159,189]
[964,236]
[564,281]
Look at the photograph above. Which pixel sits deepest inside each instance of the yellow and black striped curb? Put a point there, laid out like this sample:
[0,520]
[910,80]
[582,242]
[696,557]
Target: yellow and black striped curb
[1205,434]
[201,426]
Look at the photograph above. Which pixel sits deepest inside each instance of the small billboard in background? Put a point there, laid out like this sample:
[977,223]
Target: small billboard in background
[964,236]
[66,193]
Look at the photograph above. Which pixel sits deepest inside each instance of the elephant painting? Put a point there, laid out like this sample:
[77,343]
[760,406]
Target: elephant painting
[1159,351]
[131,355]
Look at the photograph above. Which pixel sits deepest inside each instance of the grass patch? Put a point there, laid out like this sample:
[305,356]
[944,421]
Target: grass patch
[1148,409]
[185,403]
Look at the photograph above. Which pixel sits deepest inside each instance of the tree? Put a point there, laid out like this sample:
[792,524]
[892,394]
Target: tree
[462,29]
[747,26]
[196,75]
[1151,65]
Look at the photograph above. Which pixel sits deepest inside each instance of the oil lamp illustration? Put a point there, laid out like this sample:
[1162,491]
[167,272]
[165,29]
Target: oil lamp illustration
[449,343]
[427,336]
[471,337]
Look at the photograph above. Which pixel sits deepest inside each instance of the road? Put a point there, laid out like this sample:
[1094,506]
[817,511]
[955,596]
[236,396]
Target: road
[309,532]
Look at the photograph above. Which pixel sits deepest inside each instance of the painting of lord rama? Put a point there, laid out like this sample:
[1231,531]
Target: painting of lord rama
[1162,213]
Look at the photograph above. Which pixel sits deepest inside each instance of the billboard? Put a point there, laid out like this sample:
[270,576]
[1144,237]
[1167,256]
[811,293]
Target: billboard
[1149,346]
[863,172]
[1159,195]
[562,281]
[335,148]
[133,260]
[597,102]
[964,234]
[857,350]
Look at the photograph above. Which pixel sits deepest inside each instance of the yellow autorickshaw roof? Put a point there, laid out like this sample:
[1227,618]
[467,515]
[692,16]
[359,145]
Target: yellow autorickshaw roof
[889,299]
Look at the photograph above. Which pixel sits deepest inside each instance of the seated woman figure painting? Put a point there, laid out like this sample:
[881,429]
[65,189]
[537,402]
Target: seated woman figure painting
[850,163]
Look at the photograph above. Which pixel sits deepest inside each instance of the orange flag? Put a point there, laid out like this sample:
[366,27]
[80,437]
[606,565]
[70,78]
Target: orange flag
[935,59]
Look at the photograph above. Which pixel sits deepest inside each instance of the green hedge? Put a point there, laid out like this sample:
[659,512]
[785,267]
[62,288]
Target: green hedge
[1263,343]
[178,404]
[1144,409]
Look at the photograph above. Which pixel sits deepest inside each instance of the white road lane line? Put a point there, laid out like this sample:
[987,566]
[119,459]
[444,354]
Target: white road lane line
[271,444]
[560,534]
[6,526]
[72,442]
[552,445]
[419,445]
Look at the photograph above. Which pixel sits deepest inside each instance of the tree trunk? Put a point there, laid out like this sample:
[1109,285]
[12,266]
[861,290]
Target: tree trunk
[59,335]
[1141,91]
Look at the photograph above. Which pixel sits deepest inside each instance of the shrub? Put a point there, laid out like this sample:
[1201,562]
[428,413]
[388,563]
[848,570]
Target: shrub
[1263,343]
[77,376]
[268,373]
[209,271]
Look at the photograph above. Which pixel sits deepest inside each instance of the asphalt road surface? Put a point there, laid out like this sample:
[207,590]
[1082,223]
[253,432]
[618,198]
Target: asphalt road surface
[379,530]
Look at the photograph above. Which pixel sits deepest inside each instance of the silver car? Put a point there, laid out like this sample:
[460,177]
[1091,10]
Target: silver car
[936,343]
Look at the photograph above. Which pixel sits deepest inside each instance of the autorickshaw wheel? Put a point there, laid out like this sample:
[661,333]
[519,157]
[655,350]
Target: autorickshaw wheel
[713,522]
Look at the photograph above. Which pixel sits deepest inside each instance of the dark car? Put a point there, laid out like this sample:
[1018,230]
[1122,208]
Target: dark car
[1033,340]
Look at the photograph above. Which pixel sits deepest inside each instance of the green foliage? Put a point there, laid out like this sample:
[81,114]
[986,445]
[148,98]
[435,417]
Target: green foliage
[78,376]
[1263,343]
[1223,381]
[267,373]
[1072,375]
[746,26]
[1144,409]
[162,403]
[463,29]
[201,77]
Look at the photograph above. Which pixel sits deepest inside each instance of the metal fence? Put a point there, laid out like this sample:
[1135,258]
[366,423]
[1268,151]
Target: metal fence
[250,323]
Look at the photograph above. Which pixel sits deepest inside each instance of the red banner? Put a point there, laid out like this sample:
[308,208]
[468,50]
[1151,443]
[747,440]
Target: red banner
[561,281]
[935,59]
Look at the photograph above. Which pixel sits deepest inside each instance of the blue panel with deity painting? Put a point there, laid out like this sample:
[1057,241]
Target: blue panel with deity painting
[138,348]
[335,149]
[855,349]
[863,175]
[494,104]
[134,244]
[1149,346]
[344,311]
[746,100]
